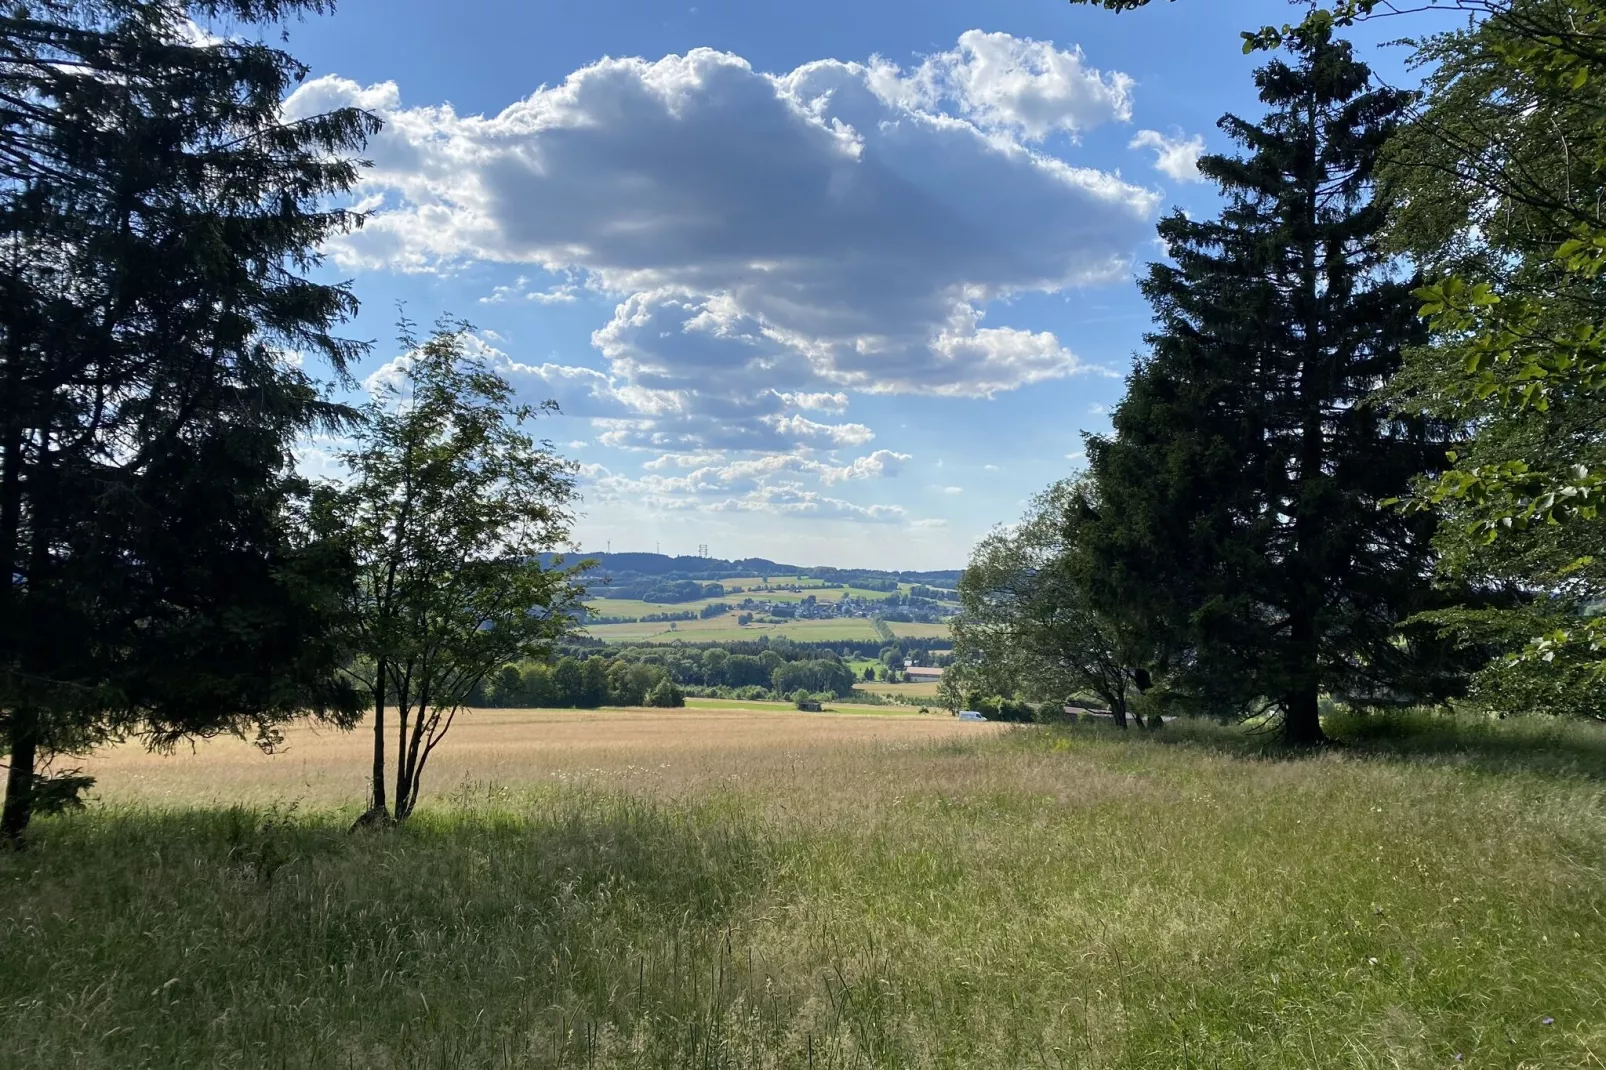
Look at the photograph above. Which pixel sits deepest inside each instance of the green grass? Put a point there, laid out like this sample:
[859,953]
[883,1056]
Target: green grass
[919,631]
[1075,898]
[922,692]
[635,607]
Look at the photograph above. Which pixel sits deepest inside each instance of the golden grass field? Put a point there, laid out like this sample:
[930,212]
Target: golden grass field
[635,890]
[509,749]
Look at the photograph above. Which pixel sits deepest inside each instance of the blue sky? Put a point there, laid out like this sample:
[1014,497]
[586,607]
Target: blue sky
[834,283]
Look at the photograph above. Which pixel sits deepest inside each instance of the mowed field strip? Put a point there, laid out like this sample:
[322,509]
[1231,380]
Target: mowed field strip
[504,748]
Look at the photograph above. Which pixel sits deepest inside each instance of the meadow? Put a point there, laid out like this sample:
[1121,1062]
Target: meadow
[723,629]
[729,888]
[605,606]
[918,692]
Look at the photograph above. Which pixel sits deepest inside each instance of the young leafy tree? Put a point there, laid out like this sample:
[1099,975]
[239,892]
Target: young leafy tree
[1027,623]
[1500,179]
[157,219]
[447,512]
[1239,500]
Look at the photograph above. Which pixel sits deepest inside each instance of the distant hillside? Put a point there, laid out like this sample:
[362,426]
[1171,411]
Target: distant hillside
[628,571]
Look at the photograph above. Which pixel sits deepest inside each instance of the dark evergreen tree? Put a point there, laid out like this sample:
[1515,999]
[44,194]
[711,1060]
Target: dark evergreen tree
[157,218]
[1240,497]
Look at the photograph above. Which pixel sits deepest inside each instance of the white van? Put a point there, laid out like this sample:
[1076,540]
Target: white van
[970,715]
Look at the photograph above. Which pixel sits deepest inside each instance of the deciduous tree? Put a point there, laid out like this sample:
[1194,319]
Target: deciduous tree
[1028,624]
[448,510]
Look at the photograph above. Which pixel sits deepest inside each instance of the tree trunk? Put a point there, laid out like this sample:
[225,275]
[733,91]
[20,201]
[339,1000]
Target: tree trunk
[1302,725]
[376,801]
[1118,710]
[1302,722]
[407,794]
[404,708]
[20,779]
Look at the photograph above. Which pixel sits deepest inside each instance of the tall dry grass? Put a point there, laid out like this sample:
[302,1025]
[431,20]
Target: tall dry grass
[1032,898]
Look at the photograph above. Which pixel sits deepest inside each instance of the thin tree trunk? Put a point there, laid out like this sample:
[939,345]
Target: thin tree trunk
[376,806]
[24,748]
[404,708]
[407,795]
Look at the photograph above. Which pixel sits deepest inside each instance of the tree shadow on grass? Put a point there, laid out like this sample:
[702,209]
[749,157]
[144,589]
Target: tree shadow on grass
[1541,745]
[688,861]
[505,928]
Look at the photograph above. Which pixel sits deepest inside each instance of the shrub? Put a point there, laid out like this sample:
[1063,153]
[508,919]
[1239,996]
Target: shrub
[666,695]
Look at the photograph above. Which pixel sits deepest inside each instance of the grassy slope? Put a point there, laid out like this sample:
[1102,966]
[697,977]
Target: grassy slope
[1037,899]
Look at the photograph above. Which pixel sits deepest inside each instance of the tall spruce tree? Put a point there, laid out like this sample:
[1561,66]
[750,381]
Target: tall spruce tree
[1240,497]
[157,217]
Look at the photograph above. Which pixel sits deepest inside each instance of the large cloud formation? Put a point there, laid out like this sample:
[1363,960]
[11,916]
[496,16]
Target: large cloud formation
[775,243]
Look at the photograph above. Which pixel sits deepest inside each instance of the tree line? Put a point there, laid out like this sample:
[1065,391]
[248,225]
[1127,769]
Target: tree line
[650,676]
[1360,454]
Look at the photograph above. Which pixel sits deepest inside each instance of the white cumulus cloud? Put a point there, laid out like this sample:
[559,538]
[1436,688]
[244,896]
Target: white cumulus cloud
[1003,82]
[1176,156]
[773,241]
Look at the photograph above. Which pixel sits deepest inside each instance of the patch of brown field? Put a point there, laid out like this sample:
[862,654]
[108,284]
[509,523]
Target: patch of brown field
[656,750]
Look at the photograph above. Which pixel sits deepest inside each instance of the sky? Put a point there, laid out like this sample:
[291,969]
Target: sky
[838,283]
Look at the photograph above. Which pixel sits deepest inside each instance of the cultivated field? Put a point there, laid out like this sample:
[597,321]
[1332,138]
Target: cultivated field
[916,630]
[767,889]
[504,748]
[924,691]
[725,629]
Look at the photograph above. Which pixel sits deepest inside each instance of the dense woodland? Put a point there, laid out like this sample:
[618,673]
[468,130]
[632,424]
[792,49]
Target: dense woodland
[1358,461]
[586,677]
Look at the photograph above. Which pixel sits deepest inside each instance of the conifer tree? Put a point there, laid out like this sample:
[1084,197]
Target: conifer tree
[157,219]
[1240,498]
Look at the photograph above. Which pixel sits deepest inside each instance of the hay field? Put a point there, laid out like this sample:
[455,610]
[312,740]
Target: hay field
[510,749]
[783,892]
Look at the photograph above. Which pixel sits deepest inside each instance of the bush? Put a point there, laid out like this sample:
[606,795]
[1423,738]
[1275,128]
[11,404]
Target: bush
[666,695]
[998,708]
[799,697]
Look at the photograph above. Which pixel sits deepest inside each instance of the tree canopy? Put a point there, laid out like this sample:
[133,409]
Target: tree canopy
[1239,496]
[1028,622]
[158,220]
[448,512]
